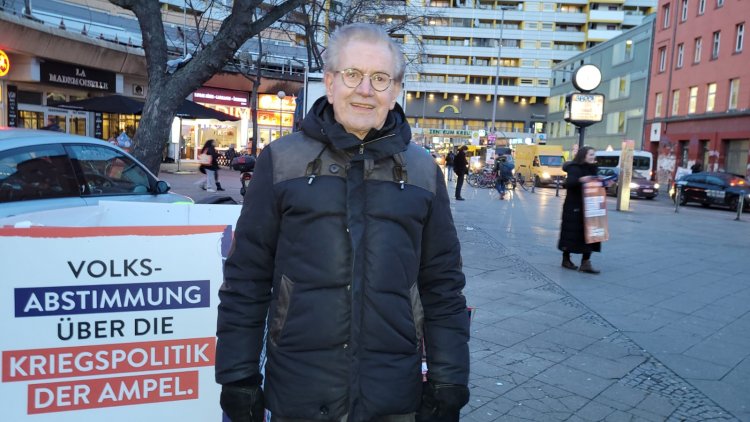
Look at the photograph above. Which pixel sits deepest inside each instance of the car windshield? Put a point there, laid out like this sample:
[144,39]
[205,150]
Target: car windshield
[551,160]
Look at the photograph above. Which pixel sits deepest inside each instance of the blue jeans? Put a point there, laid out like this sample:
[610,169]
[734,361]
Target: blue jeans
[449,171]
[500,186]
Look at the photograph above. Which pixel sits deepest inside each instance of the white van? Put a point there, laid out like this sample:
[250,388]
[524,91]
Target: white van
[643,161]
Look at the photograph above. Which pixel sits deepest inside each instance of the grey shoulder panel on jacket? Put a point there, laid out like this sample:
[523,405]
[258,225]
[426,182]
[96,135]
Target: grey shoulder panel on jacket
[291,155]
[421,169]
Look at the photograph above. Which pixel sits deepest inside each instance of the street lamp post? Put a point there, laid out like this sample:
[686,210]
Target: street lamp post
[281,95]
[497,66]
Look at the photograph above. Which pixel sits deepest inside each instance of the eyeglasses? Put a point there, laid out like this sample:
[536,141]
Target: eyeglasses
[353,78]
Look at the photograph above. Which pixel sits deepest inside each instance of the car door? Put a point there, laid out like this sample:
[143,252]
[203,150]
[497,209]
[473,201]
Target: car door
[716,190]
[109,174]
[37,178]
[694,189]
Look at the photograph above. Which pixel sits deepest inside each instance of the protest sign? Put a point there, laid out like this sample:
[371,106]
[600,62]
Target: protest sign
[595,213]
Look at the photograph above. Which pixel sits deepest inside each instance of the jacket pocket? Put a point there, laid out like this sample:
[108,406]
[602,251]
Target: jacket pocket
[417,313]
[282,309]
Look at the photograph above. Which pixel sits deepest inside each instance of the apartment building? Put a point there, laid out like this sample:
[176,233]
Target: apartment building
[468,44]
[624,61]
[699,96]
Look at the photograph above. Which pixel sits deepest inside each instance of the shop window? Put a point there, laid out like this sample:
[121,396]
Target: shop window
[29,97]
[31,119]
[55,98]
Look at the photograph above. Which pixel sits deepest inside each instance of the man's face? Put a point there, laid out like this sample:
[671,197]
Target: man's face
[362,108]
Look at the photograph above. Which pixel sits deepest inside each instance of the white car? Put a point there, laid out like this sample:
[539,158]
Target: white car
[43,170]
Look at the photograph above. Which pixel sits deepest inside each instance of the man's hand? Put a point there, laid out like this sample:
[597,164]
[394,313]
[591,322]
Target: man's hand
[243,404]
[442,402]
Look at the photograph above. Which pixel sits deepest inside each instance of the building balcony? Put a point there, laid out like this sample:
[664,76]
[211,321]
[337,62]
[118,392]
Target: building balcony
[640,3]
[609,16]
[633,20]
[474,89]
[602,34]
[489,70]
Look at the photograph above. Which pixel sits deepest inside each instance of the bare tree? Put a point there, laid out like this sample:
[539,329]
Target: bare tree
[319,18]
[167,89]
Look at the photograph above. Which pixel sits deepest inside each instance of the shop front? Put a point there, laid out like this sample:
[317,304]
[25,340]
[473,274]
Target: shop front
[275,117]
[195,132]
[34,86]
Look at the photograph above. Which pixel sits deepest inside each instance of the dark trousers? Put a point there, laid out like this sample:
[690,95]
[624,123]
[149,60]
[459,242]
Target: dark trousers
[459,183]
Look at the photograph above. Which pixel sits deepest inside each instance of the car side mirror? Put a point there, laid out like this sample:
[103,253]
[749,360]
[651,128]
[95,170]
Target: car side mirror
[162,187]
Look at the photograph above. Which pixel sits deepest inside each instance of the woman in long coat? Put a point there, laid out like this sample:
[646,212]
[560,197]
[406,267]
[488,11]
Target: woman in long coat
[581,170]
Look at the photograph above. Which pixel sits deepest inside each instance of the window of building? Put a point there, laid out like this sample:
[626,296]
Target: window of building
[544,63]
[542,82]
[616,122]
[675,102]
[527,63]
[545,44]
[665,13]
[684,11]
[697,50]
[622,52]
[680,54]
[662,59]
[657,105]
[547,26]
[719,3]
[527,82]
[619,87]
[734,93]
[701,7]
[693,100]
[715,46]
[711,97]
[740,37]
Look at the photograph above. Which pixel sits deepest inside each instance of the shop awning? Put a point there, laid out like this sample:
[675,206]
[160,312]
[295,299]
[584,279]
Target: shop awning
[121,104]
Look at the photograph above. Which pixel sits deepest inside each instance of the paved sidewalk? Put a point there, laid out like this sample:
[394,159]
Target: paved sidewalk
[662,334]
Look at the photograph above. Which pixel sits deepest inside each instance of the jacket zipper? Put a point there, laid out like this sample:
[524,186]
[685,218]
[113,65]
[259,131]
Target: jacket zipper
[362,145]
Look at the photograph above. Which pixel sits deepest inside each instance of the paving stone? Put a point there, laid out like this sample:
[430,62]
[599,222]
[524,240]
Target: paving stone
[574,381]
[604,367]
[594,411]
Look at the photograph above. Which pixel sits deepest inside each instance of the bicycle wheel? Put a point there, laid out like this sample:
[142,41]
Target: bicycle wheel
[472,179]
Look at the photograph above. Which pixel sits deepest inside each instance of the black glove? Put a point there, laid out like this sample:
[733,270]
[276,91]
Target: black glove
[243,403]
[442,402]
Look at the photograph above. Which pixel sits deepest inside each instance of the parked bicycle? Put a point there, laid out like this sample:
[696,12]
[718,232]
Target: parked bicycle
[484,178]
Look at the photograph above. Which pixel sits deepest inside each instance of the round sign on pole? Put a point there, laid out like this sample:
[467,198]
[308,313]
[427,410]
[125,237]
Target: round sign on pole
[4,64]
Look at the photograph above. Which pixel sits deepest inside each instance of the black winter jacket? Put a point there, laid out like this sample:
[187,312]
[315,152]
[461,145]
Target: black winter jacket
[351,251]
[572,229]
[460,164]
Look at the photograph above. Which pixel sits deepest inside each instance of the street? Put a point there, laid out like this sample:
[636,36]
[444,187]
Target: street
[663,333]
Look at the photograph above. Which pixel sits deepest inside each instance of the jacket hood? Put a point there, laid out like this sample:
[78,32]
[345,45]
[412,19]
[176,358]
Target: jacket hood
[392,138]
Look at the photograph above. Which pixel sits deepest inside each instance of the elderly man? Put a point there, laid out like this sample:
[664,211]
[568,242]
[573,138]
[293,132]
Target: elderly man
[346,255]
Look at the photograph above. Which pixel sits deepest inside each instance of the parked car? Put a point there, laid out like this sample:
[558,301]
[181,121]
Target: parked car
[712,188]
[640,187]
[42,170]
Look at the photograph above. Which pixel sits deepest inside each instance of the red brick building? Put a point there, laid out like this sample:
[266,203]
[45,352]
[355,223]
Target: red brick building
[698,107]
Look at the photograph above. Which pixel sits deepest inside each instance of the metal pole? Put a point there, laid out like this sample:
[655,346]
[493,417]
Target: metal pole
[497,67]
[581,131]
[424,102]
[740,205]
[677,194]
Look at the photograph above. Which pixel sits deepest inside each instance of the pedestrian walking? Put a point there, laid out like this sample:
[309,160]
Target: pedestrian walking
[449,164]
[461,167]
[503,173]
[581,170]
[210,165]
[348,258]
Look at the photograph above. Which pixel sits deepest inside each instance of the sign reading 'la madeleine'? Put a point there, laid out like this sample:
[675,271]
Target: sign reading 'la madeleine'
[78,76]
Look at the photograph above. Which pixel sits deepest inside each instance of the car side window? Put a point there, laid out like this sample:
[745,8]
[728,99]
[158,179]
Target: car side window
[107,171]
[696,178]
[38,172]
[714,181]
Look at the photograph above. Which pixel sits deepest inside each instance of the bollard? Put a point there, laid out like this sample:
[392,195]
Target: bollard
[557,187]
[740,205]
[533,183]
[677,194]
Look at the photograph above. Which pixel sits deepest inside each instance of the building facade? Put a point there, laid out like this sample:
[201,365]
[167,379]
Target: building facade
[468,45]
[624,62]
[699,96]
[81,49]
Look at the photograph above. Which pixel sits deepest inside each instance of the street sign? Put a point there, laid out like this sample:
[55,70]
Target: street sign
[584,109]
